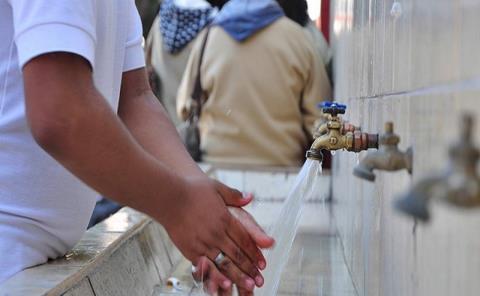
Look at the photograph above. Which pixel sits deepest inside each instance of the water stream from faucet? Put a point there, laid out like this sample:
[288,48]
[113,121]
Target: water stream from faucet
[285,228]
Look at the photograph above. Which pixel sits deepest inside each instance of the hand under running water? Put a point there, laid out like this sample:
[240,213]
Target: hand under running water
[216,278]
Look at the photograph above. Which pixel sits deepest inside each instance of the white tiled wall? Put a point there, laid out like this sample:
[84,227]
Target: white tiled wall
[420,70]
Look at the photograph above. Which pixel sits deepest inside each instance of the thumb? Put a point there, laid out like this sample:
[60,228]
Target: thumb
[255,231]
[232,197]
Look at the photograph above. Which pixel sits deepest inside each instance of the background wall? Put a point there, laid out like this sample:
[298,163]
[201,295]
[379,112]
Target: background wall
[418,66]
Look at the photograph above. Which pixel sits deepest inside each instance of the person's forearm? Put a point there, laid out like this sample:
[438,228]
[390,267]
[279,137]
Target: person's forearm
[148,122]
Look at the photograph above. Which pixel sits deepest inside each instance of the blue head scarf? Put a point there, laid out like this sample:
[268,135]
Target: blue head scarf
[181,25]
[243,18]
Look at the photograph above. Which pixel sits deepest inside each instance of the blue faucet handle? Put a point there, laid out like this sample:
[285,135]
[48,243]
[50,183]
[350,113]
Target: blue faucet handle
[332,108]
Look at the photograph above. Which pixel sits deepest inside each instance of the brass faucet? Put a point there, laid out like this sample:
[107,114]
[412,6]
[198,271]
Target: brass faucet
[458,184]
[387,158]
[321,128]
[336,135]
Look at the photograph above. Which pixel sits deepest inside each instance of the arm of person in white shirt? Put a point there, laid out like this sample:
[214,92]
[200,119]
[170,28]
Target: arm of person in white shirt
[72,121]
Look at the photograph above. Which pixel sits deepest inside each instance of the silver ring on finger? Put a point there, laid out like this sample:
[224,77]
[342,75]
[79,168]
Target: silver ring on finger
[219,259]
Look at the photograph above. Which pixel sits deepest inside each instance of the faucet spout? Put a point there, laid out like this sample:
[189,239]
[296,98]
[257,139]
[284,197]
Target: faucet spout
[387,158]
[415,201]
[459,184]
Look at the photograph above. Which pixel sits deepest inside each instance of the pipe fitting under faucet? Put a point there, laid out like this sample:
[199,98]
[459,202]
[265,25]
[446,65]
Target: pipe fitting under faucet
[458,184]
[387,158]
[336,135]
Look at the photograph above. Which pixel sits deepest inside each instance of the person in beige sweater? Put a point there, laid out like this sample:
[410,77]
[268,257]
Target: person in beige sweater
[263,78]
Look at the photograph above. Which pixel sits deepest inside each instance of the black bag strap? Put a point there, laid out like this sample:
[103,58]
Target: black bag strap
[197,93]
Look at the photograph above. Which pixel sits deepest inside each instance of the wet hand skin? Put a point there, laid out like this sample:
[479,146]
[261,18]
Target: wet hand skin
[218,279]
[201,215]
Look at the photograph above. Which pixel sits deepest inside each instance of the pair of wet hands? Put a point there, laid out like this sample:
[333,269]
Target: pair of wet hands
[213,277]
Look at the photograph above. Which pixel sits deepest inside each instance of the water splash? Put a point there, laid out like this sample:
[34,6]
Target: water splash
[285,228]
[319,169]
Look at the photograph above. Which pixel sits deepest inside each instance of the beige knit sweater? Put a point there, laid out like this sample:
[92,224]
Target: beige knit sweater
[261,95]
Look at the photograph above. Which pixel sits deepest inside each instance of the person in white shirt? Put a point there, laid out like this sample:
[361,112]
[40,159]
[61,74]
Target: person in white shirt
[77,117]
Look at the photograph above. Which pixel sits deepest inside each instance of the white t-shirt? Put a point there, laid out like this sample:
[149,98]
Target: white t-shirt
[44,209]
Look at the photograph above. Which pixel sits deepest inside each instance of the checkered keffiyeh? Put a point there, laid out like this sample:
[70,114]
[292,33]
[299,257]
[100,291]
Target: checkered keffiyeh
[179,25]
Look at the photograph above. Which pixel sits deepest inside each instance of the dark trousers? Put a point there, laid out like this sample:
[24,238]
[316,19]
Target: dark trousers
[103,209]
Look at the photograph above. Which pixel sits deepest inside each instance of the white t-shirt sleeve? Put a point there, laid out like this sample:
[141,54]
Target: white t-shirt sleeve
[45,26]
[134,55]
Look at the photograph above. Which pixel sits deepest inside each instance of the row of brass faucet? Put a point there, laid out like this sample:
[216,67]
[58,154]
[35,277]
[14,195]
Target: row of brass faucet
[458,184]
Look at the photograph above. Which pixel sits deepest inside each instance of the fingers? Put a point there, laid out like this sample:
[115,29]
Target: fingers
[232,197]
[227,292]
[201,269]
[214,280]
[239,258]
[242,239]
[238,233]
[243,292]
[256,232]
[228,268]
[211,287]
